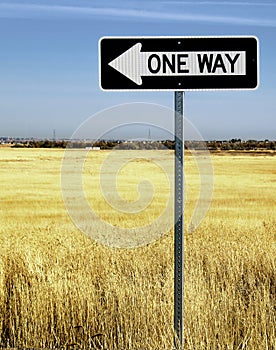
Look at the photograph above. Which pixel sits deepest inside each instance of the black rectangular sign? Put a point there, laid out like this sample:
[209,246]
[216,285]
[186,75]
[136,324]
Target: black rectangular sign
[178,63]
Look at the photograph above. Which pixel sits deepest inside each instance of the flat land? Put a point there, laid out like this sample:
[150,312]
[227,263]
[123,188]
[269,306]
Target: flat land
[61,289]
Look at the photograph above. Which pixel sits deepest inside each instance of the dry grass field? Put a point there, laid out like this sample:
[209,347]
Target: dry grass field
[60,289]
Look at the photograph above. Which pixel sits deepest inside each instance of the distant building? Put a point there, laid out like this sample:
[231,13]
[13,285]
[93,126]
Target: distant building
[93,148]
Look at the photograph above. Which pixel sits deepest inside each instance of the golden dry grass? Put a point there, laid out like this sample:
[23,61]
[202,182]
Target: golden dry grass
[60,289]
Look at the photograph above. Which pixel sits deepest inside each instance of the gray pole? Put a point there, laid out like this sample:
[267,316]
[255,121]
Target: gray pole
[179,220]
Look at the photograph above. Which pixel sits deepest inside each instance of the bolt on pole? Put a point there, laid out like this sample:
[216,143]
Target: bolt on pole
[179,220]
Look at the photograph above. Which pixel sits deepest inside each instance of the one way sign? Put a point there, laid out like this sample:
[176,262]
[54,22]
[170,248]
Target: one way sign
[178,63]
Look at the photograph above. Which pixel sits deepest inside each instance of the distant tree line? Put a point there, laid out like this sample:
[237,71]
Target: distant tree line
[240,145]
[215,145]
[40,144]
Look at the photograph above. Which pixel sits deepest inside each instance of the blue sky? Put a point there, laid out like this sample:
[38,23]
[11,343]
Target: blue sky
[49,63]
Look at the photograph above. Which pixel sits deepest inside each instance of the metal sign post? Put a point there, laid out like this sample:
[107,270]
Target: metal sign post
[179,220]
[178,64]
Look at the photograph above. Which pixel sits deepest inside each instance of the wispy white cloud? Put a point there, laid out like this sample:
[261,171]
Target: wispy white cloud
[220,3]
[35,10]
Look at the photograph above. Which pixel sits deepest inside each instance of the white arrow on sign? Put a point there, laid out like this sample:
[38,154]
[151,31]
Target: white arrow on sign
[135,64]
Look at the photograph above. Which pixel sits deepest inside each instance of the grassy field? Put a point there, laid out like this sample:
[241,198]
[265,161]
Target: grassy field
[60,289]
